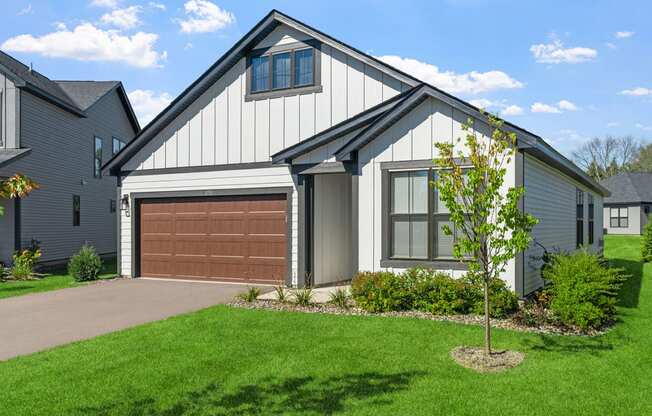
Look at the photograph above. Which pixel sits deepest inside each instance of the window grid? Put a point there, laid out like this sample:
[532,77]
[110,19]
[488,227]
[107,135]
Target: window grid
[618,217]
[283,70]
[117,145]
[76,210]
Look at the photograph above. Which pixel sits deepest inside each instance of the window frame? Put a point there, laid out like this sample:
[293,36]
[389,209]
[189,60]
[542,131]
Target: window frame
[291,48]
[76,210]
[619,219]
[591,203]
[122,145]
[579,218]
[97,168]
[432,261]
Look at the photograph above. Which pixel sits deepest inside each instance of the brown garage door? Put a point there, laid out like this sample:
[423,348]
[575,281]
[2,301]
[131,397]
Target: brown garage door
[236,238]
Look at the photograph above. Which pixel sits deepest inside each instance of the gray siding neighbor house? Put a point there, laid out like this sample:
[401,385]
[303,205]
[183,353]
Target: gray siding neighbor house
[627,210]
[297,158]
[59,133]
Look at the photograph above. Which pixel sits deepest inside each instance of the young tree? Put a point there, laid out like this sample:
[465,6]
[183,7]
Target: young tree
[18,186]
[490,226]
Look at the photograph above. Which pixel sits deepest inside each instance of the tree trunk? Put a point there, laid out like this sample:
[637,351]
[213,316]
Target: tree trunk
[487,321]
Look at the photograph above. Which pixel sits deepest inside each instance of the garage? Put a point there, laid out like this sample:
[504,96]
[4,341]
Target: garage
[225,238]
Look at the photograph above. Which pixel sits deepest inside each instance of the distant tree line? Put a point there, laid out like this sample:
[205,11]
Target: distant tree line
[602,157]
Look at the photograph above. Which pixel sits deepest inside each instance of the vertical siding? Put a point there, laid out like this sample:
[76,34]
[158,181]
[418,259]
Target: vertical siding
[222,123]
[226,179]
[61,161]
[9,114]
[550,197]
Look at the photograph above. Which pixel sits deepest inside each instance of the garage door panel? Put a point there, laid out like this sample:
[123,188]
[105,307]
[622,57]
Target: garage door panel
[242,238]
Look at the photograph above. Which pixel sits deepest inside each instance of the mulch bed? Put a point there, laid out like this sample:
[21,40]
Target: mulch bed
[461,319]
[475,358]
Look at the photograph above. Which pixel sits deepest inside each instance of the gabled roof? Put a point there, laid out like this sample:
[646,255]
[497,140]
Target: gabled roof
[73,96]
[629,187]
[347,126]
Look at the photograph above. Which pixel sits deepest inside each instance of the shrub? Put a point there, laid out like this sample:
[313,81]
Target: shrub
[381,291]
[340,298]
[583,290]
[251,294]
[646,242]
[303,296]
[23,263]
[86,265]
[281,293]
[502,301]
[437,292]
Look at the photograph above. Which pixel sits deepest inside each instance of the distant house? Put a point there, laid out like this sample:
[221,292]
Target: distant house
[298,158]
[627,210]
[59,133]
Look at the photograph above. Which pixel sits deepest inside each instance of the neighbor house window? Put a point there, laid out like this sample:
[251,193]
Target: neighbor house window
[283,69]
[112,206]
[416,218]
[591,218]
[97,157]
[579,232]
[618,217]
[76,210]
[117,145]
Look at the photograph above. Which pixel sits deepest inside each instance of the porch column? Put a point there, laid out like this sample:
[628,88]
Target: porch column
[304,235]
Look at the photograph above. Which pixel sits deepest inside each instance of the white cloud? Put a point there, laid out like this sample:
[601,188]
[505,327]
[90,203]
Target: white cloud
[156,5]
[556,53]
[111,4]
[512,110]
[544,108]
[482,103]
[473,82]
[638,91]
[26,10]
[623,35]
[566,105]
[188,46]
[203,16]
[643,127]
[89,43]
[613,124]
[126,18]
[147,104]
[610,45]
[60,26]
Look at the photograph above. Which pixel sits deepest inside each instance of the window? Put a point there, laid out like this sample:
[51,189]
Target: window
[97,157]
[76,210]
[117,145]
[618,217]
[303,67]
[416,218]
[280,70]
[579,230]
[112,206]
[591,218]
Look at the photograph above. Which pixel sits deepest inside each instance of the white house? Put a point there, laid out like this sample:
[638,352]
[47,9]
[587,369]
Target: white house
[296,157]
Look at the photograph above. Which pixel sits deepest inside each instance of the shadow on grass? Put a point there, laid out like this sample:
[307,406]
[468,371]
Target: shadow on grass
[270,396]
[583,345]
[631,290]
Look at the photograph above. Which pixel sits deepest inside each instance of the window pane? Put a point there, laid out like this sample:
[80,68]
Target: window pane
[281,70]
[444,242]
[401,195]
[580,211]
[259,73]
[624,222]
[613,212]
[401,238]
[303,68]
[613,222]
[419,200]
[623,213]
[419,239]
[97,168]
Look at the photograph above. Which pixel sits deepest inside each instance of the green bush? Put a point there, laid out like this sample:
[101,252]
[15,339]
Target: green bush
[251,294]
[583,290]
[429,291]
[646,242]
[86,265]
[303,296]
[23,263]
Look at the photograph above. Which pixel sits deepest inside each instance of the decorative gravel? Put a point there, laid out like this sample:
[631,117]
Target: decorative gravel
[331,309]
[475,359]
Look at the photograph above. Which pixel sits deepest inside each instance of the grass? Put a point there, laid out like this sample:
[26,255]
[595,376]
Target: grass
[51,281]
[224,361]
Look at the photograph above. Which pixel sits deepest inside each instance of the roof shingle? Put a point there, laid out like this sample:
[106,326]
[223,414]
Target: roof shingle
[628,187]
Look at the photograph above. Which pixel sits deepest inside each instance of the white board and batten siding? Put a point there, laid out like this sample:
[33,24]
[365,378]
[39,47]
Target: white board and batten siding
[411,138]
[222,128]
[551,197]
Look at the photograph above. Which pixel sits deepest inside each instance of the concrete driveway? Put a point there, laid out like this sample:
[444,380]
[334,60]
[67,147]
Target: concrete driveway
[39,321]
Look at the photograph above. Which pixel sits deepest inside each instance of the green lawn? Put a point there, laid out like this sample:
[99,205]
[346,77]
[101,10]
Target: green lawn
[51,281]
[232,361]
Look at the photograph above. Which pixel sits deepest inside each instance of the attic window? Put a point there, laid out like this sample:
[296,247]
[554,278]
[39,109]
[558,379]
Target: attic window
[283,70]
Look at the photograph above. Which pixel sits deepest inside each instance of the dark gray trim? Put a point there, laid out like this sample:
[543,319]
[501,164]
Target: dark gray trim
[304,235]
[355,215]
[17,224]
[420,164]
[19,153]
[429,264]
[324,167]
[384,214]
[118,222]
[292,90]
[338,130]
[191,169]
[138,197]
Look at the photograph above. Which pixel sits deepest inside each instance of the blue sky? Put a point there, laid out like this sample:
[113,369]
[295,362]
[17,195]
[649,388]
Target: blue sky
[567,71]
